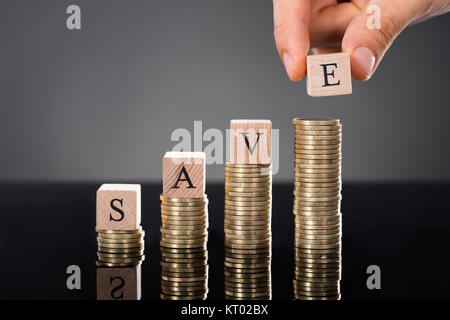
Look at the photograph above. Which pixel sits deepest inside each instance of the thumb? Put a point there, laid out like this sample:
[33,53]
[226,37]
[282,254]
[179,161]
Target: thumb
[372,32]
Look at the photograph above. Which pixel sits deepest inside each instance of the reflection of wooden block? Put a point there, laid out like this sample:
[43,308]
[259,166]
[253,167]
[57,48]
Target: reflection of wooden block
[184,174]
[119,207]
[251,141]
[119,283]
[328,74]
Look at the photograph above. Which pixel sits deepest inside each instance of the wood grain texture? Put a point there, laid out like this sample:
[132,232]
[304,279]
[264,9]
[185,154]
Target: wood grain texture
[118,207]
[184,174]
[245,146]
[110,281]
[328,74]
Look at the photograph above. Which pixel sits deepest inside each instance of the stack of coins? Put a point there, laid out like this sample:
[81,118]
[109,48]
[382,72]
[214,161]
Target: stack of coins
[184,255]
[120,248]
[248,231]
[317,198]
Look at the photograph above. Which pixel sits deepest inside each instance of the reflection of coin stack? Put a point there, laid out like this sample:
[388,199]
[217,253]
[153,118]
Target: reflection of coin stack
[317,198]
[248,212]
[184,231]
[119,283]
[120,237]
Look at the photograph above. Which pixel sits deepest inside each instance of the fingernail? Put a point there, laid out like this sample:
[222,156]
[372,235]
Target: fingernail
[288,64]
[365,59]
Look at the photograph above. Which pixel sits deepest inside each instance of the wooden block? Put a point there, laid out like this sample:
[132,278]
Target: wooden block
[328,74]
[251,141]
[119,207]
[184,174]
[119,283]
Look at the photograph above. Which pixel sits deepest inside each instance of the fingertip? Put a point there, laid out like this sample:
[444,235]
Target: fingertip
[295,68]
[362,61]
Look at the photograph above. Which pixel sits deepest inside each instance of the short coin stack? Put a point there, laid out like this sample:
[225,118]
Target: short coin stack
[317,198]
[248,231]
[184,255]
[120,248]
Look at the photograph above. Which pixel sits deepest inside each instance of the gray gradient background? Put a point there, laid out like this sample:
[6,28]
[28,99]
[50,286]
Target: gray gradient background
[101,103]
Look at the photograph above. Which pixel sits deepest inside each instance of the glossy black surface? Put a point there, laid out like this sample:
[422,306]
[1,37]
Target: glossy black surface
[402,228]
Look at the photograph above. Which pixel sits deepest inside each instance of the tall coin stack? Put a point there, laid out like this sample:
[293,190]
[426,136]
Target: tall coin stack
[248,187]
[317,197]
[120,237]
[184,230]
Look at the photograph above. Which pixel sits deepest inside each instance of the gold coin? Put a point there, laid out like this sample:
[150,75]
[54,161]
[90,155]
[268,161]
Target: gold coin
[301,142]
[187,229]
[247,165]
[199,238]
[317,147]
[316,195]
[303,170]
[302,179]
[121,250]
[123,260]
[247,199]
[247,246]
[185,213]
[317,252]
[184,284]
[247,227]
[203,218]
[311,261]
[338,131]
[246,222]
[248,194]
[318,199]
[318,241]
[181,245]
[229,240]
[317,163]
[106,256]
[183,241]
[199,223]
[241,213]
[183,266]
[317,246]
[248,208]
[165,288]
[263,179]
[264,203]
[170,297]
[300,135]
[121,235]
[182,279]
[116,265]
[247,280]
[305,206]
[265,290]
[241,175]
[248,260]
[263,285]
[103,244]
[247,184]
[238,189]
[181,250]
[176,199]
[315,122]
[185,256]
[307,190]
[318,185]
[247,265]
[266,236]
[183,208]
[178,204]
[246,294]
[138,230]
[110,241]
[247,233]
[320,236]
[318,232]
[183,232]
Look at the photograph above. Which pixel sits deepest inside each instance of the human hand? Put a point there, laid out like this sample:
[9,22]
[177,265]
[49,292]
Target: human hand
[334,25]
